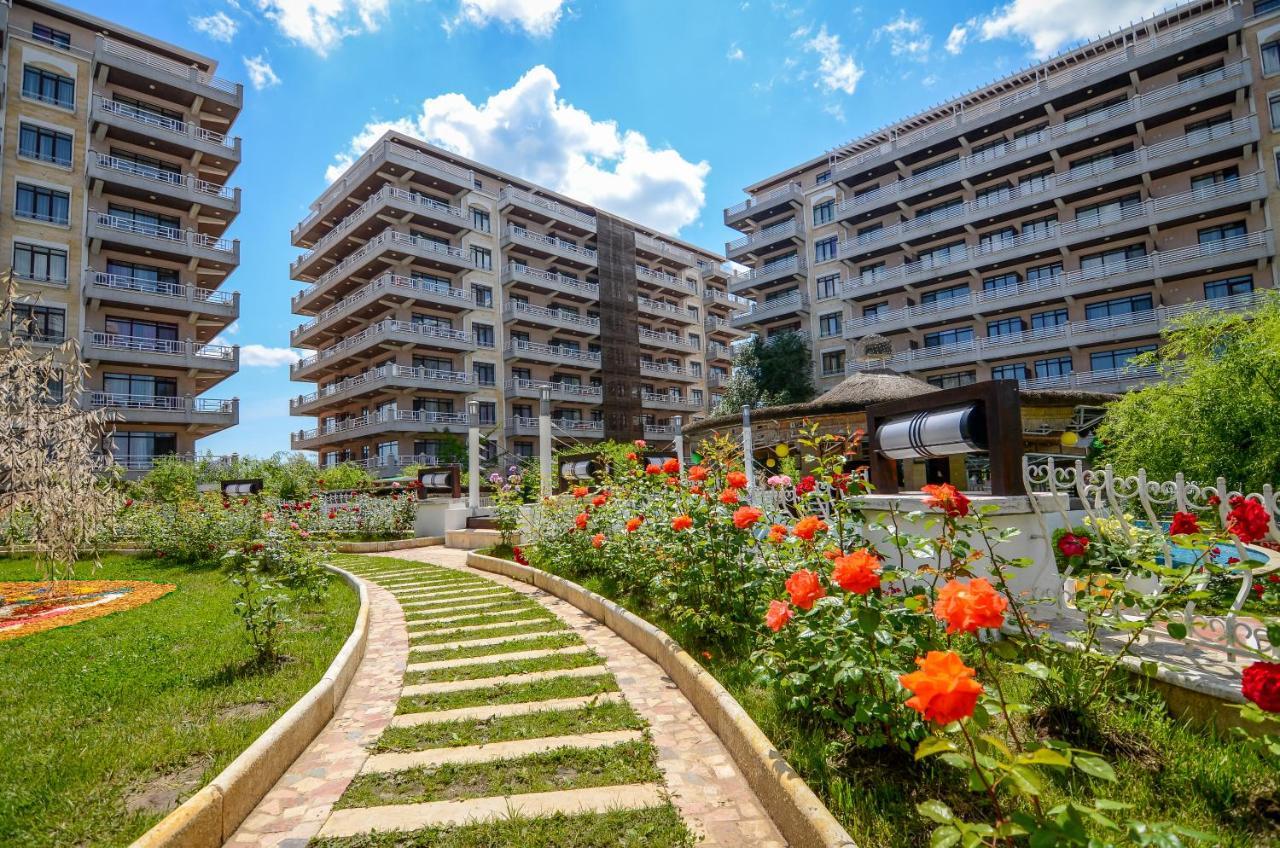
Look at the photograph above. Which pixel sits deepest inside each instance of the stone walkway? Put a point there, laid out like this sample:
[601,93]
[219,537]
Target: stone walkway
[463,667]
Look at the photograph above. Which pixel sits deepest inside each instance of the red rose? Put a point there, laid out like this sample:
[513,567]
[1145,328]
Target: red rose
[1248,520]
[681,522]
[1184,524]
[580,520]
[735,480]
[806,486]
[631,456]
[947,498]
[1071,545]
[778,615]
[518,555]
[745,516]
[671,466]
[805,588]
[1260,683]
[697,473]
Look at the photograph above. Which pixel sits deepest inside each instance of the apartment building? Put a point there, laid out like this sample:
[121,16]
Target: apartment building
[1044,228]
[432,281]
[115,200]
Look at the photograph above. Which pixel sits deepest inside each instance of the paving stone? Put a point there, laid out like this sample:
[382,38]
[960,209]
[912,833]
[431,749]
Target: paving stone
[549,625]
[514,656]
[475,643]
[442,686]
[488,711]
[430,757]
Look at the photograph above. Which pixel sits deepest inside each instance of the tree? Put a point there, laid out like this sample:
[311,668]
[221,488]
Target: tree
[51,447]
[1217,411]
[772,373]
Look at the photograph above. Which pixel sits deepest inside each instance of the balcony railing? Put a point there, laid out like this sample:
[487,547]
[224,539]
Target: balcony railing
[669,281]
[392,416]
[156,288]
[661,369]
[391,284]
[175,179]
[1114,377]
[516,271]
[669,401]
[559,426]
[387,373]
[763,310]
[769,271]
[517,348]
[561,391]
[516,309]
[538,240]
[165,347]
[654,245]
[790,190]
[381,240]
[378,198]
[787,229]
[558,210]
[671,309]
[199,405]
[155,120]
[175,235]
[168,66]
[387,327]
[725,299]
[666,339]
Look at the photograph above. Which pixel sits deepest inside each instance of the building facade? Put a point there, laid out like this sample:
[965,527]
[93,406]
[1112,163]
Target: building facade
[1045,228]
[432,281]
[114,202]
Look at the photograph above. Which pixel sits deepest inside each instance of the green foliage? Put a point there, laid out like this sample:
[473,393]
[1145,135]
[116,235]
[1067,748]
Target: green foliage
[1217,414]
[769,373]
[261,609]
[290,477]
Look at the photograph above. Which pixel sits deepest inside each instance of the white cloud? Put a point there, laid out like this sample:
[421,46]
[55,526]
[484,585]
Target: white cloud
[219,26]
[529,131]
[907,37]
[260,72]
[735,53]
[261,356]
[1050,25]
[322,24]
[836,69]
[536,17]
[958,36]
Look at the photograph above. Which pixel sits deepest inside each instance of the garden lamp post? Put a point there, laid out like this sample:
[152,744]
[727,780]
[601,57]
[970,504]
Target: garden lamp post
[677,422]
[544,441]
[748,449]
[473,455]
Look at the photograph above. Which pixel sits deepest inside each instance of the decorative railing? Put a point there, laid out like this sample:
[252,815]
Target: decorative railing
[559,210]
[525,236]
[157,288]
[389,326]
[378,198]
[786,229]
[390,283]
[162,122]
[190,238]
[168,66]
[516,271]
[790,189]
[175,179]
[516,309]
[391,416]
[588,394]
[515,348]
[384,374]
[669,281]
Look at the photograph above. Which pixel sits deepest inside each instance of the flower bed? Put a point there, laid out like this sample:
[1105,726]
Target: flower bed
[878,669]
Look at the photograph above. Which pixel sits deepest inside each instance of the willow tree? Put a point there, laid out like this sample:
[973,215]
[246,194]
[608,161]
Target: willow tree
[52,496]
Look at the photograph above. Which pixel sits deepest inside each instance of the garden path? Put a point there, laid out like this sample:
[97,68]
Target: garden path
[482,697]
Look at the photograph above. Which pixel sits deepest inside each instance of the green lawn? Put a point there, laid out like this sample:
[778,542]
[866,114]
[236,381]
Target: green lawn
[107,724]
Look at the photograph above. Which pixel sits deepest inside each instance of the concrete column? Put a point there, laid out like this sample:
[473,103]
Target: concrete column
[677,421]
[473,455]
[748,449]
[544,441]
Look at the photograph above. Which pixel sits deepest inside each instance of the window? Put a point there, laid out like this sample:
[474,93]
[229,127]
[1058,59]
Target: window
[1099,162]
[1119,306]
[144,221]
[421,320]
[1005,327]
[1223,176]
[935,168]
[824,213]
[1111,210]
[147,166]
[1003,281]
[43,264]
[1031,135]
[825,249]
[1202,71]
[829,324]
[1107,261]
[1221,233]
[138,329]
[868,274]
[480,220]
[38,323]
[482,294]
[696,396]
[143,446]
[943,254]
[875,309]
[524,450]
[1056,366]
[488,412]
[1015,371]
[430,405]
[828,286]
[486,374]
[140,385]
[869,232]
[997,239]
[48,87]
[939,296]
[49,35]
[1048,318]
[139,108]
[991,196]
[954,381]
[940,211]
[822,177]
[483,334]
[1044,272]
[44,144]
[1082,117]
[42,204]
[1113,360]
[1271,50]
[833,362]
[1228,288]
[948,338]
[1205,126]
[483,257]
[1040,227]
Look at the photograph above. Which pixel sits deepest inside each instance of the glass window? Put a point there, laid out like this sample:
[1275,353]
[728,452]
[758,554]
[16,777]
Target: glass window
[45,264]
[143,220]
[940,255]
[488,412]
[482,294]
[828,286]
[1005,327]
[49,35]
[1273,108]
[1119,306]
[1111,360]
[421,320]
[1111,210]
[875,309]
[833,362]
[479,220]
[38,323]
[48,87]
[485,372]
[1107,260]
[139,329]
[1228,288]
[824,213]
[829,324]
[869,232]
[954,381]
[483,257]
[1040,227]
[825,249]
[140,385]
[956,292]
[1270,50]
[1044,272]
[1014,371]
[44,144]
[1220,177]
[992,196]
[935,168]
[483,334]
[42,204]
[141,447]
[997,239]
[948,338]
[1048,318]
[822,177]
[870,273]
[1221,233]
[1003,281]
[1056,366]
[1033,183]
[139,108]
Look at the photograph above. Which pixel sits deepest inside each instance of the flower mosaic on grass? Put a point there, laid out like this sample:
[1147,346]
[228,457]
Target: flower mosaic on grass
[33,607]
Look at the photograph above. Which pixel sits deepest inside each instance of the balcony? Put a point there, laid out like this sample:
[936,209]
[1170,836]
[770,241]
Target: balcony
[562,428]
[716,380]
[553,354]
[650,248]
[665,400]
[723,326]
[1105,380]
[545,210]
[717,352]
[384,379]
[379,423]
[376,298]
[715,297]
[569,392]
[160,76]
[170,298]
[126,233]
[220,360]
[895,144]
[389,333]
[786,306]
[388,159]
[544,317]
[169,135]
[147,183]
[548,247]
[663,280]
[772,272]
[765,205]
[403,205]
[532,279]
[769,239]
[660,432]
[664,311]
[664,371]
[666,341]
[149,409]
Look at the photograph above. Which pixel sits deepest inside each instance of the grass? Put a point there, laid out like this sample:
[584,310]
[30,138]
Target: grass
[592,719]
[510,693]
[657,827]
[101,717]
[530,643]
[560,769]
[511,616]
[550,662]
[498,604]
[523,628]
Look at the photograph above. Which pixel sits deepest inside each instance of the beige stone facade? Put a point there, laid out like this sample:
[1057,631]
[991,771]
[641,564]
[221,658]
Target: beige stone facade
[115,197]
[432,281]
[1043,228]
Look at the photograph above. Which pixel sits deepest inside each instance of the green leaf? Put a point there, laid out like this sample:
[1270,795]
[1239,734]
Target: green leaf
[1177,629]
[868,619]
[1025,779]
[934,745]
[944,837]
[1095,767]
[1045,757]
[936,811]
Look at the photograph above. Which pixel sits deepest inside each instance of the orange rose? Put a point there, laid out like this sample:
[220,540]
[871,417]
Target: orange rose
[580,491]
[944,689]
[947,498]
[778,533]
[581,520]
[808,527]
[695,490]
[653,469]
[859,572]
[735,480]
[729,496]
[697,473]
[632,456]
[831,554]
[965,607]
[597,541]
[778,615]
[671,466]
[633,524]
[745,516]
[805,588]
[600,500]
[681,522]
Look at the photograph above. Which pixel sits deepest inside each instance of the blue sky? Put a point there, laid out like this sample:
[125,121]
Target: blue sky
[660,110]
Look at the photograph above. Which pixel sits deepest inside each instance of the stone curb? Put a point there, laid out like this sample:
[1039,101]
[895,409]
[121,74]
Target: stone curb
[388,545]
[208,818]
[800,816]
